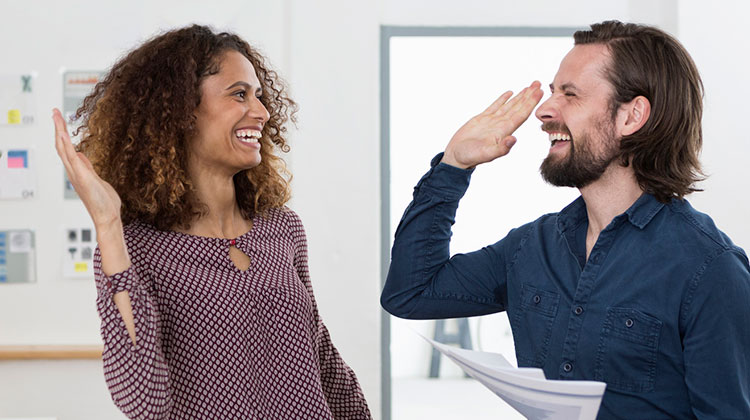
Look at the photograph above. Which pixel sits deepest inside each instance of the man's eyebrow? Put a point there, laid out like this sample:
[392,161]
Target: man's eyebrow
[568,86]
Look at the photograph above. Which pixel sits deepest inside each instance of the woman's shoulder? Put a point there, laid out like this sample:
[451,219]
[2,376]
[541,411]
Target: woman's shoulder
[286,222]
[140,236]
[284,215]
[138,229]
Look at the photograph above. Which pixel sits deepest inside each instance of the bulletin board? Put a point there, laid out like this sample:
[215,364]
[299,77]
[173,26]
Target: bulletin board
[47,241]
[47,290]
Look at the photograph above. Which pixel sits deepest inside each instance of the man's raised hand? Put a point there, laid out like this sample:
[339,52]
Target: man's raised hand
[489,135]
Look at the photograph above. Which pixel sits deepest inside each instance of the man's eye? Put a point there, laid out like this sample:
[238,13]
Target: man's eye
[570,94]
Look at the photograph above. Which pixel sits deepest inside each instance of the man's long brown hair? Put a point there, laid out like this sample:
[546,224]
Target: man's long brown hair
[648,62]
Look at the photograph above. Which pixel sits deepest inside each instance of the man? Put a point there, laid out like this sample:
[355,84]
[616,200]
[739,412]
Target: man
[628,284]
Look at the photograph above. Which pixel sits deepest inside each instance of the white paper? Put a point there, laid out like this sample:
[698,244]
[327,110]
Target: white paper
[19,242]
[17,174]
[526,389]
[17,98]
[76,86]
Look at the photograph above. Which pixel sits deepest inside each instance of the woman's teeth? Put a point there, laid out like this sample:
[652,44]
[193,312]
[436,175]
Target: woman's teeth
[248,136]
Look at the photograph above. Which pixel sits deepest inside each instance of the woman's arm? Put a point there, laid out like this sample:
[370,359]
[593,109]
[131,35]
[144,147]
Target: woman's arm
[137,377]
[103,205]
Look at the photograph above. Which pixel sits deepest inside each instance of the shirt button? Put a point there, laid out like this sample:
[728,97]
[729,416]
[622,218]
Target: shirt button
[578,310]
[537,299]
[567,367]
[629,323]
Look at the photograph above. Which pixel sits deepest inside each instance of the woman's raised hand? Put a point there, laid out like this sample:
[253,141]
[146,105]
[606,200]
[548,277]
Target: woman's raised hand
[488,135]
[100,199]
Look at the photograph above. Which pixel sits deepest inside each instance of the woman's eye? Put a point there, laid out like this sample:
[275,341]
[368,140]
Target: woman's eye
[241,94]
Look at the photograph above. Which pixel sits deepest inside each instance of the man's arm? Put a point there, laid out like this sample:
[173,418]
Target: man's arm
[716,340]
[423,282]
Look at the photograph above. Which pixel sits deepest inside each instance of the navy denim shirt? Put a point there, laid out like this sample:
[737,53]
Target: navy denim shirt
[660,311]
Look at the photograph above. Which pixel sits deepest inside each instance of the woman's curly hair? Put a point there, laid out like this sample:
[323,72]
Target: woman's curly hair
[136,124]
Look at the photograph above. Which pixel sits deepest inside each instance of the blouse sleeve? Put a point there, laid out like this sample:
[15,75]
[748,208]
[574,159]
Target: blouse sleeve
[340,385]
[137,376]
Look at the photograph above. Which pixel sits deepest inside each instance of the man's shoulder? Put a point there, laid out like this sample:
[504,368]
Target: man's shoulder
[689,224]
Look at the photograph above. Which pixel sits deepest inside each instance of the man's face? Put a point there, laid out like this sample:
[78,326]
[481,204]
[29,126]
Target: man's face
[578,119]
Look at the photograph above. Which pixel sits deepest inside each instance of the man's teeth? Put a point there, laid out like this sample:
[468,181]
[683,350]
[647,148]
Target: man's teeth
[553,137]
[248,136]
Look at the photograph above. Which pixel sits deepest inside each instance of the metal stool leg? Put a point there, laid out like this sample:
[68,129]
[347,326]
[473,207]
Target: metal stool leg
[462,338]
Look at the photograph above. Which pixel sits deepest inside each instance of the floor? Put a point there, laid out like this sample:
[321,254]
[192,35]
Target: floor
[445,398]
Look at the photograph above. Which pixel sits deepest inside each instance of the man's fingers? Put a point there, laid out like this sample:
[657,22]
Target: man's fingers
[498,102]
[524,99]
[520,107]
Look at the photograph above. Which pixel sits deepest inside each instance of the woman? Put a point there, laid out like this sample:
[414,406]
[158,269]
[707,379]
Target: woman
[203,289]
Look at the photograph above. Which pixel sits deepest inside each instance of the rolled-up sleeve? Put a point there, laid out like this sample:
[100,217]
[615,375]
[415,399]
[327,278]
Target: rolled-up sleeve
[423,280]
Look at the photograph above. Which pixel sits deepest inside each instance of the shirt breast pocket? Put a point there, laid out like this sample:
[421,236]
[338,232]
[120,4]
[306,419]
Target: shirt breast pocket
[626,358]
[532,325]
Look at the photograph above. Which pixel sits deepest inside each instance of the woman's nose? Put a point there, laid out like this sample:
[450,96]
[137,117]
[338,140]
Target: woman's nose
[258,110]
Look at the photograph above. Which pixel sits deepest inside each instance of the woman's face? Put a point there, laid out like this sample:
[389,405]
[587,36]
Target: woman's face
[229,118]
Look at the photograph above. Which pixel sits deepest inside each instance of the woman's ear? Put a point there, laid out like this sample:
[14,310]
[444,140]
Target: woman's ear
[636,112]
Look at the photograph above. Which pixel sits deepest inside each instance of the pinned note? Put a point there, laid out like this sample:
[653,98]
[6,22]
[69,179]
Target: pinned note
[17,174]
[17,98]
[14,116]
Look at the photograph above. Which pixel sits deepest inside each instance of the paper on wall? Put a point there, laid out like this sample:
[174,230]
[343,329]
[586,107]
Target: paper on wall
[17,98]
[17,174]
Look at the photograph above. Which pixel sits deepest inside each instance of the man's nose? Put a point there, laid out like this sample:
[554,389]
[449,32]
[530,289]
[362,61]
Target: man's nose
[546,111]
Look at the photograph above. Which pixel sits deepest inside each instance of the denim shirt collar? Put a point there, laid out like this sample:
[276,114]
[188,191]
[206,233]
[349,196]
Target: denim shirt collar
[639,214]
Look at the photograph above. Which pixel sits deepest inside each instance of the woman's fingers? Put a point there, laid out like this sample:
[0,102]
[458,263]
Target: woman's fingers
[61,137]
[86,161]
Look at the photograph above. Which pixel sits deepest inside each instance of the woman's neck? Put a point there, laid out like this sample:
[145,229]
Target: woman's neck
[224,219]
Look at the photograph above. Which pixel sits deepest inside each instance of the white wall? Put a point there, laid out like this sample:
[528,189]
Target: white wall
[342,228]
[717,39]
[328,51]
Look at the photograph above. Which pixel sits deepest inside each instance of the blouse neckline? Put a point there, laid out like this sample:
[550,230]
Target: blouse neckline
[210,239]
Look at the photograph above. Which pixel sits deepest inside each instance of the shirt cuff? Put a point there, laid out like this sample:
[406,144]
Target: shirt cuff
[122,281]
[445,180]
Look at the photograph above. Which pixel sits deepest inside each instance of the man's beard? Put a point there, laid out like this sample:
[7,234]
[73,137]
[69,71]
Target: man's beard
[581,167]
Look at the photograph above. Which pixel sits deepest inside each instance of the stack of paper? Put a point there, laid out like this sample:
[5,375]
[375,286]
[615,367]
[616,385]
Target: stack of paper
[526,389]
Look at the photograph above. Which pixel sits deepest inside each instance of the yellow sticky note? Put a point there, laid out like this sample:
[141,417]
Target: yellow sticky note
[14,116]
[81,267]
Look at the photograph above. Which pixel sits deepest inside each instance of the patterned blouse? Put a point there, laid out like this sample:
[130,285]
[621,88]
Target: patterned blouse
[216,342]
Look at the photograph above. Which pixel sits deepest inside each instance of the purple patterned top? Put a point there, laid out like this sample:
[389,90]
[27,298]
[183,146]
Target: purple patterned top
[217,342]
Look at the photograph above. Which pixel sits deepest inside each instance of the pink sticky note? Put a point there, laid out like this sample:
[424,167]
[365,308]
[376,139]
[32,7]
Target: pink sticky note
[16,162]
